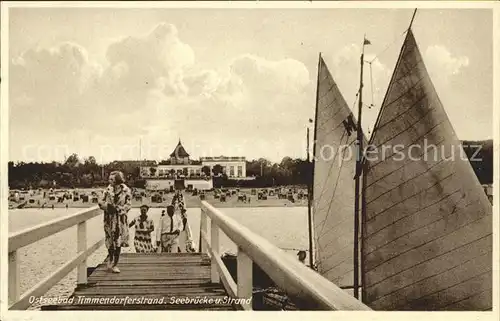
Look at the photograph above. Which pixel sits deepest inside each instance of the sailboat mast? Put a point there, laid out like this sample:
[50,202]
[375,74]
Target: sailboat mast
[360,170]
[357,178]
[310,187]
[413,17]
[309,214]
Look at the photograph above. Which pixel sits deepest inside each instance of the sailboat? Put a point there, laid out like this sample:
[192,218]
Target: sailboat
[333,194]
[425,222]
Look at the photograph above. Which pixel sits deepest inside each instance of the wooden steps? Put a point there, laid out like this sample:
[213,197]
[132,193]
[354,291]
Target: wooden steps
[177,281]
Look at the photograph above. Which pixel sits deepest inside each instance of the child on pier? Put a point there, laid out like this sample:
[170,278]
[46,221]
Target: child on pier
[169,228]
[143,228]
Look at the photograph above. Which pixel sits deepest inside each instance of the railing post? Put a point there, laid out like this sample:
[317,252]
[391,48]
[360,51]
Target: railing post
[203,227]
[81,245]
[214,244]
[245,277]
[14,275]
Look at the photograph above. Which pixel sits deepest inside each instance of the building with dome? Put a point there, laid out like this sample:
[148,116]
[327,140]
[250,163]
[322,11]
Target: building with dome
[180,171]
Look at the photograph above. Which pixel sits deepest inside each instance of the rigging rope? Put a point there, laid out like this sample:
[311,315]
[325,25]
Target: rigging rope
[355,101]
[370,62]
[388,46]
[336,185]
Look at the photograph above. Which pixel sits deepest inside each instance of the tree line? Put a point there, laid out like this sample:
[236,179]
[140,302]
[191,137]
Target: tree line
[77,172]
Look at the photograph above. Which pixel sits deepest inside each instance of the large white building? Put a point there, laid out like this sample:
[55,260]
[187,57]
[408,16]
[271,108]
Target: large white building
[195,173]
[231,166]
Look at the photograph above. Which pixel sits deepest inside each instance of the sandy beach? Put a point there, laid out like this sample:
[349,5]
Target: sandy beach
[38,201]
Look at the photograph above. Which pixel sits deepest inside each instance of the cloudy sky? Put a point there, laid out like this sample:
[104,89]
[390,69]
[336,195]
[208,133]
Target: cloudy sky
[233,82]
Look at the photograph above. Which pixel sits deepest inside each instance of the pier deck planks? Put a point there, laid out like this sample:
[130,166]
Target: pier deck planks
[179,275]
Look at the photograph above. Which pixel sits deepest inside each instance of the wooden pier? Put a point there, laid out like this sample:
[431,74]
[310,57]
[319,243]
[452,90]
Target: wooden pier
[177,281]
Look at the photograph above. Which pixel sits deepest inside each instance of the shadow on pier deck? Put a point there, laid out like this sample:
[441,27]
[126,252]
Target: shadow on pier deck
[151,282]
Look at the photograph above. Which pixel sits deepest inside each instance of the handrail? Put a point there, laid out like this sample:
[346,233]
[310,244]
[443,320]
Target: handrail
[290,275]
[218,270]
[222,270]
[35,233]
[47,283]
[30,235]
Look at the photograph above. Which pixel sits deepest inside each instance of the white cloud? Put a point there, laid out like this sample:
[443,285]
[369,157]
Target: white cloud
[442,64]
[344,66]
[277,76]
[46,85]
[67,91]
[139,65]
[254,103]
[150,88]
[203,83]
[446,70]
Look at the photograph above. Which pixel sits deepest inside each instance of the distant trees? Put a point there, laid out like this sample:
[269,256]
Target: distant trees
[288,172]
[206,169]
[258,167]
[74,172]
[217,169]
[72,161]
[480,155]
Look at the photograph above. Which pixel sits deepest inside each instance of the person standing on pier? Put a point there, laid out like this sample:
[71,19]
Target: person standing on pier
[116,204]
[169,228]
[178,197]
[143,228]
[186,236]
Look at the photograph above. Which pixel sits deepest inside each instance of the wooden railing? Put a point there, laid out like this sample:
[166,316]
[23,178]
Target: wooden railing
[289,274]
[30,235]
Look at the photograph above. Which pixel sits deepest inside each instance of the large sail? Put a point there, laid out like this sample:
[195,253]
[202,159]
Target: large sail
[427,236]
[333,182]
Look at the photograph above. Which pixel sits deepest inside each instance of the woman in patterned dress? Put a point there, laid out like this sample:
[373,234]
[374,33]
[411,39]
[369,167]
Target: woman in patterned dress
[116,204]
[143,228]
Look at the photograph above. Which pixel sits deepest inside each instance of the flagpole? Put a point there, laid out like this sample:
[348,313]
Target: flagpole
[359,140]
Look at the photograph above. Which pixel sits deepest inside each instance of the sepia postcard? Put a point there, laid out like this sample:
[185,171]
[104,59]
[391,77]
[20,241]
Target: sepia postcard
[249,156]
